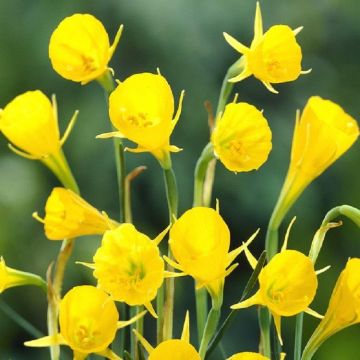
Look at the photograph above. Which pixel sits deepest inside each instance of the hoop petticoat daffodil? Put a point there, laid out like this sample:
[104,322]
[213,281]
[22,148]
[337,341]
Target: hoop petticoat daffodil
[242,137]
[174,349]
[88,323]
[30,122]
[79,48]
[201,237]
[252,356]
[68,216]
[129,267]
[287,284]
[343,309]
[10,277]
[141,108]
[273,57]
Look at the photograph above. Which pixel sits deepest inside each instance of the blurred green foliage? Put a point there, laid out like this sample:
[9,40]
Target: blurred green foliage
[184,39]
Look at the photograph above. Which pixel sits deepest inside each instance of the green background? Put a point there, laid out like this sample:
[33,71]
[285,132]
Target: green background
[184,39]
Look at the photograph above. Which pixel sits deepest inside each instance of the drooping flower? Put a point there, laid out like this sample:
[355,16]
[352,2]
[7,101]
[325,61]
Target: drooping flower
[287,284]
[79,48]
[88,323]
[343,309]
[322,133]
[274,57]
[68,216]
[129,267]
[141,108]
[242,138]
[10,277]
[174,349]
[200,242]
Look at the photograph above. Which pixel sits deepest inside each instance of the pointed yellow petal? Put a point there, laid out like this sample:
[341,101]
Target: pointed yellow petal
[136,150]
[88,265]
[46,341]
[243,75]
[116,41]
[253,300]
[277,322]
[304,72]
[258,24]
[69,127]
[122,324]
[284,247]
[151,310]
[250,258]
[108,354]
[161,235]
[185,335]
[238,46]
[22,153]
[297,30]
[282,356]
[175,149]
[172,263]
[171,274]
[144,342]
[231,269]
[269,87]
[36,216]
[108,135]
[314,313]
[178,112]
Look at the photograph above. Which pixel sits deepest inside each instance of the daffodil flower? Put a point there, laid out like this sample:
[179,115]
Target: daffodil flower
[287,285]
[141,108]
[88,321]
[79,48]
[201,237]
[252,356]
[343,309]
[273,57]
[68,216]
[129,267]
[242,137]
[174,349]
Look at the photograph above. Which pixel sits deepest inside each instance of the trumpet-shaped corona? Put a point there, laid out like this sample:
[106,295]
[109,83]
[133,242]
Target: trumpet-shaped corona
[248,356]
[201,237]
[79,48]
[242,138]
[88,323]
[273,57]
[343,309]
[30,123]
[68,216]
[287,286]
[141,108]
[128,266]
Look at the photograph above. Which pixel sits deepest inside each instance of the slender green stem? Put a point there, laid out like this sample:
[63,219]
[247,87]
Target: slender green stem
[265,325]
[298,336]
[201,299]
[18,319]
[172,200]
[346,210]
[160,312]
[138,325]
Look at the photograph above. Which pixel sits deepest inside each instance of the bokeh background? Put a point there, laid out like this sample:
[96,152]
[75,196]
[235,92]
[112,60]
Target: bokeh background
[184,39]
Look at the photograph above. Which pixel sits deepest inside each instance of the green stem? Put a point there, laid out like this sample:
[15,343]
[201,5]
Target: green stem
[346,210]
[265,325]
[172,200]
[160,313]
[201,299]
[138,325]
[298,336]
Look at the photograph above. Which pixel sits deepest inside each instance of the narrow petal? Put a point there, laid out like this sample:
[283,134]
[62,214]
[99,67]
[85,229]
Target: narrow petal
[185,335]
[178,112]
[158,239]
[258,24]
[144,342]
[151,310]
[171,274]
[175,149]
[314,313]
[243,75]
[282,356]
[277,322]
[238,46]
[297,30]
[250,258]
[136,150]
[88,265]
[22,153]
[284,246]
[320,271]
[269,87]
[172,263]
[69,127]
[46,341]
[109,135]
[253,300]
[122,324]
[305,72]
[116,41]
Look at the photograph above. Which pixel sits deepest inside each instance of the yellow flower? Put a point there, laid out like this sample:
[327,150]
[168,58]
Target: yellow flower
[322,134]
[79,48]
[88,323]
[11,278]
[273,57]
[248,356]
[128,266]
[174,349]
[30,122]
[201,237]
[343,309]
[141,108]
[287,286]
[68,216]
[242,138]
